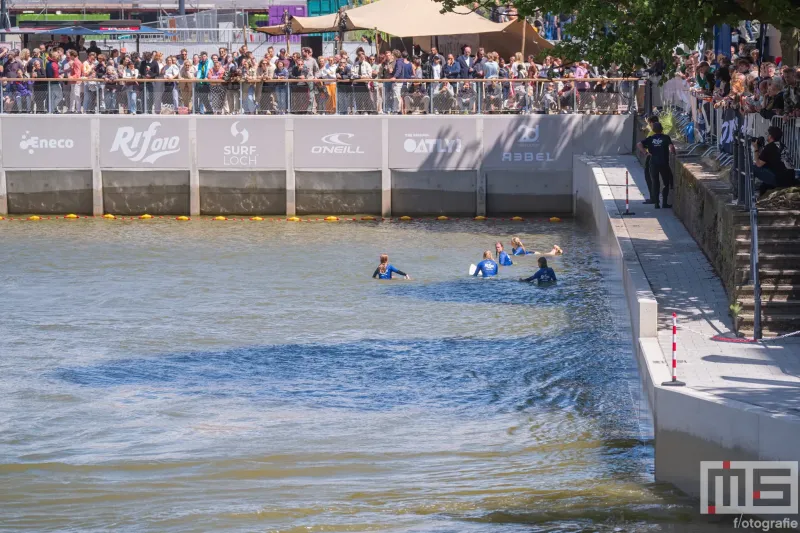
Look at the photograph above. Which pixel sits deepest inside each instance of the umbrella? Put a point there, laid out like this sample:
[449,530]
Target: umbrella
[72,31]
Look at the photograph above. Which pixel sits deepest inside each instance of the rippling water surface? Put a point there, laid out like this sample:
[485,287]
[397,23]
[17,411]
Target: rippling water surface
[244,376]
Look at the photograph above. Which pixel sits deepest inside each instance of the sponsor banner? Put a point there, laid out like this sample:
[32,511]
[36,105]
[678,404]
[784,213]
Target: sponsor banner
[348,143]
[244,143]
[432,143]
[149,142]
[30,142]
[542,142]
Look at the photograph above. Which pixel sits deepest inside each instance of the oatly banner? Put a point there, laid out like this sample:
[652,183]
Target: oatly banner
[40,142]
[147,142]
[333,142]
[531,142]
[241,143]
[433,143]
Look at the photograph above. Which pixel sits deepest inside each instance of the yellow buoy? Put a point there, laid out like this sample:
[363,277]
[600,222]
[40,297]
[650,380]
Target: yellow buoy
[35,217]
[146,217]
[220,218]
[555,219]
[442,218]
[257,219]
[182,218]
[405,218]
[71,216]
[293,219]
[518,219]
[331,219]
[109,216]
[2,218]
[368,218]
[480,218]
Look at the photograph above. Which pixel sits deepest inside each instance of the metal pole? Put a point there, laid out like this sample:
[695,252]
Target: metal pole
[627,202]
[182,8]
[4,15]
[674,370]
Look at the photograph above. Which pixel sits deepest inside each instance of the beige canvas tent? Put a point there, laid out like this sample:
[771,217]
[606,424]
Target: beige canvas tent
[421,18]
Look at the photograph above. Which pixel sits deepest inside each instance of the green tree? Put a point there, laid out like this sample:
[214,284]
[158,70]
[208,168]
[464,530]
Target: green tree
[628,32]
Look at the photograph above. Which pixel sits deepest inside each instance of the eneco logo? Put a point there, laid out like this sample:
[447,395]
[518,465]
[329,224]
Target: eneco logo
[527,136]
[239,155]
[144,146]
[337,143]
[421,143]
[31,143]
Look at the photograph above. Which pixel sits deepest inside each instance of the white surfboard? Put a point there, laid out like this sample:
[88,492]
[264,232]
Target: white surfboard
[472,269]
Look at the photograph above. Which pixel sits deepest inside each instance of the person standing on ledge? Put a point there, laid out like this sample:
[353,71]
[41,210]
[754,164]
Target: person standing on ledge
[660,147]
[652,119]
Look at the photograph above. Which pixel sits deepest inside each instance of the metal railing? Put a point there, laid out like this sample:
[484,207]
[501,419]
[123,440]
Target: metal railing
[317,96]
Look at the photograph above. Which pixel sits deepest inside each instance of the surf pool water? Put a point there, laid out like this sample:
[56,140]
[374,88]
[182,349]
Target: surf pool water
[251,376]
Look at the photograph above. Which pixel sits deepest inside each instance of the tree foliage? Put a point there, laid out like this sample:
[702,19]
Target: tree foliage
[629,32]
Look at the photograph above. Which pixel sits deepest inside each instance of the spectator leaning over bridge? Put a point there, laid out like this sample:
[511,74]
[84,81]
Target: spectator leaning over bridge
[770,167]
[660,147]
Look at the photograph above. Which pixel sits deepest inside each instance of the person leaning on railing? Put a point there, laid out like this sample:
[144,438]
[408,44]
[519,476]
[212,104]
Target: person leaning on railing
[188,71]
[791,92]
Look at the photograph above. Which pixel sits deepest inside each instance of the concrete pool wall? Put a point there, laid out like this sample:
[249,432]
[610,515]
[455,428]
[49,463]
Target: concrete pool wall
[689,425]
[274,165]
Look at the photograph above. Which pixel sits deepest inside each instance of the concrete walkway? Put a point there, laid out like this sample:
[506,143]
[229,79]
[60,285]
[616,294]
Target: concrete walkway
[766,374]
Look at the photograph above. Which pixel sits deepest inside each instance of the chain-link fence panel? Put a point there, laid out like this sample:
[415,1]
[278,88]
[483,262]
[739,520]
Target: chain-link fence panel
[604,103]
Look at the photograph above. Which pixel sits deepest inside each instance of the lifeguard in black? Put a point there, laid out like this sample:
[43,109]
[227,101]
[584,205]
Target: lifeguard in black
[660,147]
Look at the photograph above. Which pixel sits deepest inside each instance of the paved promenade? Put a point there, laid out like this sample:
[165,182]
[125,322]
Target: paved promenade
[766,374]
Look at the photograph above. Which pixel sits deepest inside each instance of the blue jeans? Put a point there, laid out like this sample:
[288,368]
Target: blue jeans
[131,99]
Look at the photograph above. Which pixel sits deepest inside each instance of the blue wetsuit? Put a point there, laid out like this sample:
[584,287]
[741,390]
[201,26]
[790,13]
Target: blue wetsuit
[519,251]
[543,275]
[504,260]
[388,273]
[487,267]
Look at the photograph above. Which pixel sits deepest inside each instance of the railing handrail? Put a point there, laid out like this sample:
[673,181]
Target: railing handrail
[328,80]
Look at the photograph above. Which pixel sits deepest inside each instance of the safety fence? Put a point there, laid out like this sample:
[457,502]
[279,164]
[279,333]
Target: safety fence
[220,218]
[707,125]
[318,96]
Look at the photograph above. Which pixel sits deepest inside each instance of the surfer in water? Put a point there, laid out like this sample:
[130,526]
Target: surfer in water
[487,267]
[545,274]
[385,270]
[502,256]
[517,248]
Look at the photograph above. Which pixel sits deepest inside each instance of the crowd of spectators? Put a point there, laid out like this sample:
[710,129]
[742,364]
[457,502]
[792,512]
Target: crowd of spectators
[745,82]
[225,82]
[748,84]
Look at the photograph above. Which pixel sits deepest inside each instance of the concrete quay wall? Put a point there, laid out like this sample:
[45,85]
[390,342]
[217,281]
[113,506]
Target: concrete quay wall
[690,426]
[410,165]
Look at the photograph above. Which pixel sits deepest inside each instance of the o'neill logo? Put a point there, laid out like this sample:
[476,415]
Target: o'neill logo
[31,143]
[144,146]
[527,135]
[337,143]
[239,155]
[421,143]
